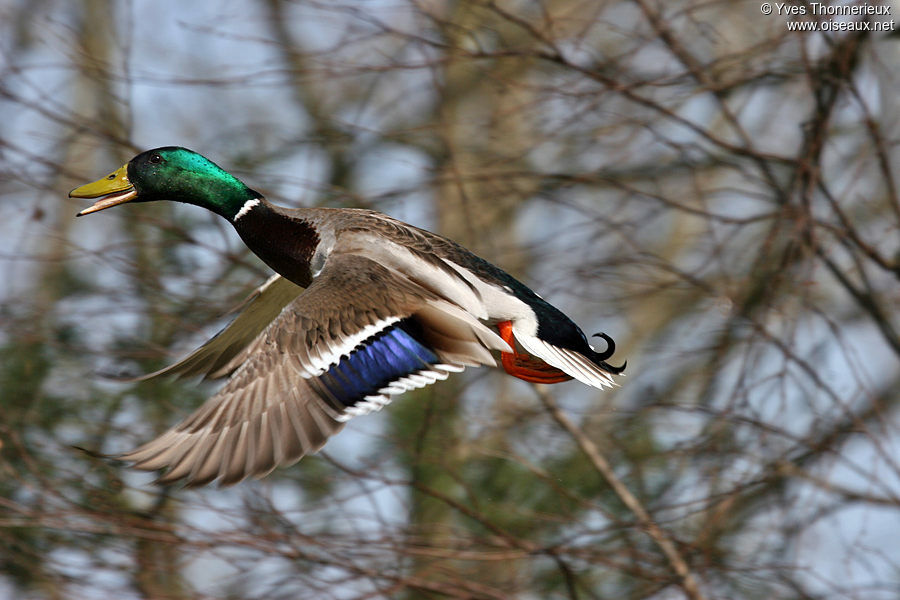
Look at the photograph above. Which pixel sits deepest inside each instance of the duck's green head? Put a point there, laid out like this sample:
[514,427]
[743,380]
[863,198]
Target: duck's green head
[169,173]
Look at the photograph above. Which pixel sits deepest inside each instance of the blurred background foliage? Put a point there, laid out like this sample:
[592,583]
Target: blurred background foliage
[718,194]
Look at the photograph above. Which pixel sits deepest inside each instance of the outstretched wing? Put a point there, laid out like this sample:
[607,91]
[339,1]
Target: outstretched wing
[226,350]
[358,335]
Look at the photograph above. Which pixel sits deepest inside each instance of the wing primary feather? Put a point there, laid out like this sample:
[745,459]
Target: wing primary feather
[237,455]
[211,466]
[264,456]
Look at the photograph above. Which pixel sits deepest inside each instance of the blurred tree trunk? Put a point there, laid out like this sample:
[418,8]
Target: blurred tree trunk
[157,572]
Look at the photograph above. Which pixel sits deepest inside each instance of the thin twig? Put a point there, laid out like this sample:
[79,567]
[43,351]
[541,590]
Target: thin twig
[679,565]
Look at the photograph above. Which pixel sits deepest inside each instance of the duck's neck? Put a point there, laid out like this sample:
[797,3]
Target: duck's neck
[284,242]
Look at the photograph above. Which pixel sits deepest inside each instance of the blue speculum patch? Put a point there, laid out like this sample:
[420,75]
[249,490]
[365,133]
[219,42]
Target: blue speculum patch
[377,362]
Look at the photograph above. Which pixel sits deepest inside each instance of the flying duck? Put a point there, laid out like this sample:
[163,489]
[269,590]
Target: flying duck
[387,307]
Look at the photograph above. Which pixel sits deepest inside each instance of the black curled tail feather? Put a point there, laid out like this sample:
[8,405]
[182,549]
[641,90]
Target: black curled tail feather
[558,330]
[599,358]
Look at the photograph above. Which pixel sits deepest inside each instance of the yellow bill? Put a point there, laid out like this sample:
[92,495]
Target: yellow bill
[112,190]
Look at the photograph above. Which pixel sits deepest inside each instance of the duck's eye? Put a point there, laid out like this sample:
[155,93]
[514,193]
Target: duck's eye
[155,158]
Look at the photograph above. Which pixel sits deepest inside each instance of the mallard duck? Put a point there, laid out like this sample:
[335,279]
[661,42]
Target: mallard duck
[387,307]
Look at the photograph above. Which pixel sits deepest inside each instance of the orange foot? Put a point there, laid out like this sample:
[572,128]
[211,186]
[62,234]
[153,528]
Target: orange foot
[524,366]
